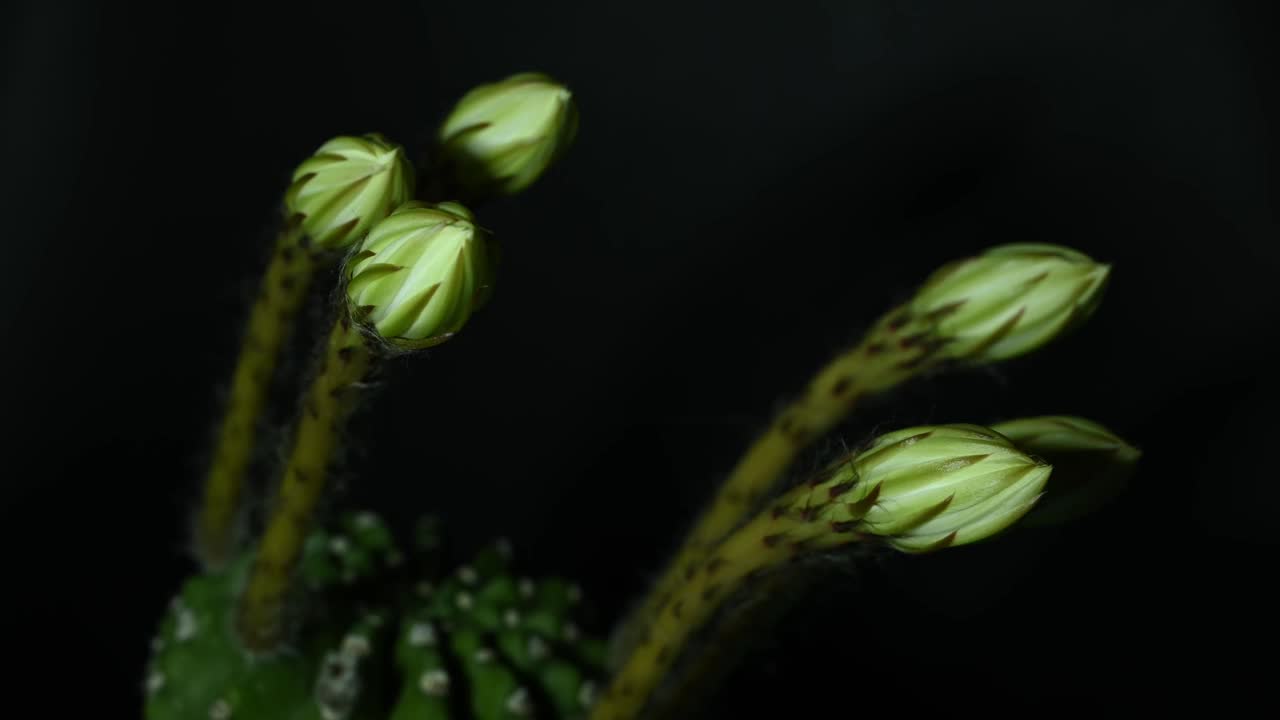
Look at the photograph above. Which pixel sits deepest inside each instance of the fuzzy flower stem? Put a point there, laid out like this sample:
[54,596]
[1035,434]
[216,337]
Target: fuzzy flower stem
[280,296]
[918,489]
[895,350]
[346,361]
[769,541]
[1005,302]
[730,640]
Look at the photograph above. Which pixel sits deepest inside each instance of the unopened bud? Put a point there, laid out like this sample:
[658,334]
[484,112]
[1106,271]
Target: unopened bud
[418,276]
[926,488]
[1091,464]
[501,137]
[1008,301]
[349,184]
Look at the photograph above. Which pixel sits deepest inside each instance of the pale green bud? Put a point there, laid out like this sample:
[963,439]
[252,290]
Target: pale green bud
[349,184]
[925,488]
[419,274]
[1091,464]
[501,137]
[1009,300]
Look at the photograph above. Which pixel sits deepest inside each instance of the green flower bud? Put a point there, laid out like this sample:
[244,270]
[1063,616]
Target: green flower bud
[349,184]
[1009,300]
[501,137]
[1091,465]
[419,275]
[926,488]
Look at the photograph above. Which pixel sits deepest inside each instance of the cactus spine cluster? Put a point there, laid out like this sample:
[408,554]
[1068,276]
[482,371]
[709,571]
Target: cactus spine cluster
[485,643]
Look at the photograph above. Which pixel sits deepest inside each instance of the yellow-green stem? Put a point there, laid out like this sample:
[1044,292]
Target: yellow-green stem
[716,658]
[896,348]
[324,409]
[284,286]
[768,541]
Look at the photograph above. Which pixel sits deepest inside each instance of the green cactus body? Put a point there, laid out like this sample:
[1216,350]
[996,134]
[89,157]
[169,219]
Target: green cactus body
[359,550]
[198,669]
[478,643]
[484,643]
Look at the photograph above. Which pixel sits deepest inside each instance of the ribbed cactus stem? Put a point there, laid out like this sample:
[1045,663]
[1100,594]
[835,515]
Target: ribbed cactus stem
[345,362]
[771,539]
[898,347]
[284,286]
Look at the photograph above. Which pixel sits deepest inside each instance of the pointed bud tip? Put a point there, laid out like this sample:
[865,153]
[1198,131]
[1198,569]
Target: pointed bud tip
[446,271]
[346,186]
[1009,300]
[501,137]
[962,479]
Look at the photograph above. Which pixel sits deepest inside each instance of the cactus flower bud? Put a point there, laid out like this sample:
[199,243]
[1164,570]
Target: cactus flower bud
[1091,465]
[349,184]
[500,137]
[926,488]
[1009,300]
[419,275]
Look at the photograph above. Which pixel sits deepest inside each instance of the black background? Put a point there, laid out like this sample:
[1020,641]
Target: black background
[751,186]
